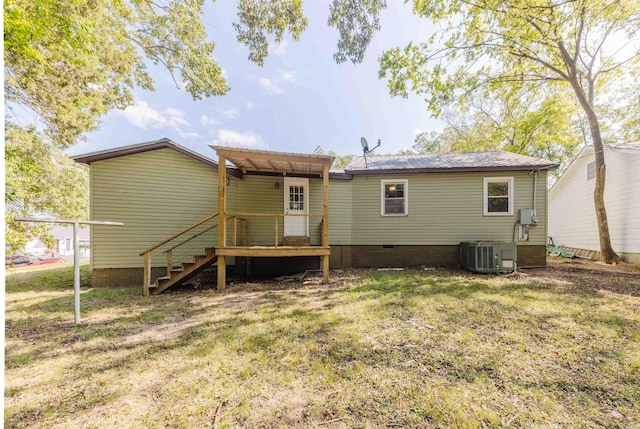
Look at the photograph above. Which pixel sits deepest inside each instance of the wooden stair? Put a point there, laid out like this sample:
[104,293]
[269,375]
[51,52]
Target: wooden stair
[186,271]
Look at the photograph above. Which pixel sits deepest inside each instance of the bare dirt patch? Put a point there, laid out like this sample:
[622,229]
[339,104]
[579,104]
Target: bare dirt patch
[585,273]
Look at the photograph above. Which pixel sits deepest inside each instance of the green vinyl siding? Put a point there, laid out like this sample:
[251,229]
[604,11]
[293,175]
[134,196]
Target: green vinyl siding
[259,194]
[340,212]
[443,209]
[155,194]
[315,206]
[158,193]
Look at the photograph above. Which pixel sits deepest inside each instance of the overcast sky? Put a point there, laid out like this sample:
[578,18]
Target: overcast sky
[299,100]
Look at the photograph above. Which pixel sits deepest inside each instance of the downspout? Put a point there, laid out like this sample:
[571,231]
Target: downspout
[534,216]
[534,219]
[535,189]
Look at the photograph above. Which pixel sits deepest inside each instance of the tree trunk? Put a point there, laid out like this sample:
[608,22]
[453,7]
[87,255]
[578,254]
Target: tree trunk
[607,254]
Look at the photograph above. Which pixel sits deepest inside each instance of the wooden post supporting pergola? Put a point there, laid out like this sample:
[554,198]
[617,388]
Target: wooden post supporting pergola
[222,223]
[325,222]
[288,164]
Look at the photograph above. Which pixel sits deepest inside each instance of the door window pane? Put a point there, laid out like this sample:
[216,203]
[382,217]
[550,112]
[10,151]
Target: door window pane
[296,197]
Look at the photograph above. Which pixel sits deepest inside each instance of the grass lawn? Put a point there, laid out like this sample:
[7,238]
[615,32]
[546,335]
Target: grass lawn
[555,347]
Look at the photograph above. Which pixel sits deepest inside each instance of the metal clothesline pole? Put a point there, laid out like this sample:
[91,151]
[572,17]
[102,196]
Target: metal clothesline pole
[76,252]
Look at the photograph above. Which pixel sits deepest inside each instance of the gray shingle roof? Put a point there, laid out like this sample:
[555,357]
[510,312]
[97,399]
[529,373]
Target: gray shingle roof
[472,161]
[162,143]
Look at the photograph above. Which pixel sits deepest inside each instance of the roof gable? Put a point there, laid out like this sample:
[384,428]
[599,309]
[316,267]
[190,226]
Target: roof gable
[163,143]
[632,149]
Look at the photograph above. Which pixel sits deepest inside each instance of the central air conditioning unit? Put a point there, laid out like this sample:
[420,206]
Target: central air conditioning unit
[488,256]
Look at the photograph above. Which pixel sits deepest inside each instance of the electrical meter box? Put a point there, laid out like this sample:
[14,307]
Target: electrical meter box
[528,217]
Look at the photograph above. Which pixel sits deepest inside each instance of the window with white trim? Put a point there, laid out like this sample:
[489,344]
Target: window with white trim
[498,196]
[394,198]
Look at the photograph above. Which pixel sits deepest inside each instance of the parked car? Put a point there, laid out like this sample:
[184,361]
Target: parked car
[16,260]
[22,260]
[8,260]
[42,261]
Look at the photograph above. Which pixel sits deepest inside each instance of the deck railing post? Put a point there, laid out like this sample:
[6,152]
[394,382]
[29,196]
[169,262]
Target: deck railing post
[234,238]
[146,277]
[276,219]
[169,261]
[243,232]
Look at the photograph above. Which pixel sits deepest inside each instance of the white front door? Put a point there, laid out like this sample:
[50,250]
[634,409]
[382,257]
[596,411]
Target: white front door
[296,201]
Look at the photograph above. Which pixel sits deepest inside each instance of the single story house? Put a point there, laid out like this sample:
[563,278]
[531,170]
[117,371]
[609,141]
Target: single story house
[63,243]
[276,212]
[63,239]
[35,247]
[572,215]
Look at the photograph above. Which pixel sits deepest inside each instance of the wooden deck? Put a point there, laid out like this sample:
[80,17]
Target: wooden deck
[249,161]
[273,251]
[271,162]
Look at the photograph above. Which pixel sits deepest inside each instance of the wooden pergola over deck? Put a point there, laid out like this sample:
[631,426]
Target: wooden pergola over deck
[258,161]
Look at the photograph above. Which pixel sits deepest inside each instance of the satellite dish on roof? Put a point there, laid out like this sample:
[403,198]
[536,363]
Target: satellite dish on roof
[366,150]
[365,145]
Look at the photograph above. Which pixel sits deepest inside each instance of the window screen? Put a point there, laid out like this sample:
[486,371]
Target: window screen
[394,198]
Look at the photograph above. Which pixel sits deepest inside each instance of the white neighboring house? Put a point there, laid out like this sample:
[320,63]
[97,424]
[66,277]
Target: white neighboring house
[572,216]
[63,239]
[63,236]
[35,248]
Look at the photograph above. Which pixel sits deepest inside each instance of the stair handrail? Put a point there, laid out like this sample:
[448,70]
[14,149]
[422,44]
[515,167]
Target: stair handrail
[169,252]
[146,276]
[199,234]
[190,238]
[178,234]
